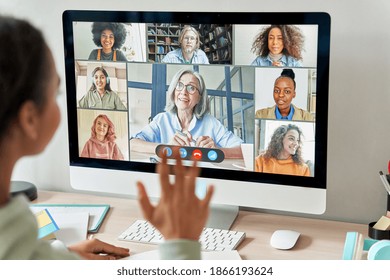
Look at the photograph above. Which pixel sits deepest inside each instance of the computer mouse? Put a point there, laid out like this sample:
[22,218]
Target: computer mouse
[284,239]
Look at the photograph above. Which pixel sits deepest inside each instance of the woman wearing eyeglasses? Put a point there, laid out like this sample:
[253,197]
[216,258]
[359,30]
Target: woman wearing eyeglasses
[109,37]
[189,51]
[187,121]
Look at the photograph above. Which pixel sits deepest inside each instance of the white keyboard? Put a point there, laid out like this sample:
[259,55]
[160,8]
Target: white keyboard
[211,239]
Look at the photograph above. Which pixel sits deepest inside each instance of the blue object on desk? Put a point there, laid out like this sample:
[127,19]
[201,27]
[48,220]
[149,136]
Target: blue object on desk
[379,251]
[353,242]
[355,245]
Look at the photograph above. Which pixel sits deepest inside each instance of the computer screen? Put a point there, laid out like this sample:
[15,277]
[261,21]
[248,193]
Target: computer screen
[246,94]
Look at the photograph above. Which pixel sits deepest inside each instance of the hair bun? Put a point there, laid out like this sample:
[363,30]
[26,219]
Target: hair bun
[288,73]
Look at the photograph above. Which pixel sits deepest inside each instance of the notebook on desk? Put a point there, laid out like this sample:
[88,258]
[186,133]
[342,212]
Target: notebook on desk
[97,212]
[70,227]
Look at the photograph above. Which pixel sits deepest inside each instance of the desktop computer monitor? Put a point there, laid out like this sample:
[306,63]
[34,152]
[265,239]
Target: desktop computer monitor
[244,93]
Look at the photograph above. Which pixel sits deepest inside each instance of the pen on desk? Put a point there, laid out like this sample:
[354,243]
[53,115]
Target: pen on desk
[183,134]
[384,181]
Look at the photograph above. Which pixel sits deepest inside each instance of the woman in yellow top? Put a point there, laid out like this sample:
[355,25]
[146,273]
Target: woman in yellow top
[283,155]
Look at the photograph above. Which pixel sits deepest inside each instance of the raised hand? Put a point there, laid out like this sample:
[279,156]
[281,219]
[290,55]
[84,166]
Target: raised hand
[179,214]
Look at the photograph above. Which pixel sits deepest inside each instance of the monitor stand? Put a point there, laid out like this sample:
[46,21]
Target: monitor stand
[222,216]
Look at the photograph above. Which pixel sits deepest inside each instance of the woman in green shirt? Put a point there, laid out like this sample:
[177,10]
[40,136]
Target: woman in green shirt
[100,95]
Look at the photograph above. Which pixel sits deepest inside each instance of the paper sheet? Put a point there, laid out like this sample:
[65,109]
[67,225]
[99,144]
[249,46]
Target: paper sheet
[73,227]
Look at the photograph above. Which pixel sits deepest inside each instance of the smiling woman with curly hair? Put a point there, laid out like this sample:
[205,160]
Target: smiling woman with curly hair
[109,37]
[278,45]
[284,153]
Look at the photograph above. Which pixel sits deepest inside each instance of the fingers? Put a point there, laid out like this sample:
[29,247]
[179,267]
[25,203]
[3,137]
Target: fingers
[199,141]
[108,249]
[143,199]
[103,256]
[193,173]
[205,142]
[190,138]
[182,139]
[195,169]
[163,170]
[185,178]
[95,249]
[96,257]
[179,173]
[209,194]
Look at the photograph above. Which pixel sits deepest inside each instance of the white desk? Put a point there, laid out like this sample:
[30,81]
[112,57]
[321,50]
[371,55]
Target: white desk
[320,239]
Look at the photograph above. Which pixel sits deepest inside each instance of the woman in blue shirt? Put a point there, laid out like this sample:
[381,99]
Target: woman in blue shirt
[278,45]
[187,121]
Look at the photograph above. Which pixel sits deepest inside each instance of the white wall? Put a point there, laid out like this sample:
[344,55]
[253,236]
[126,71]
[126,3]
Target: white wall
[359,113]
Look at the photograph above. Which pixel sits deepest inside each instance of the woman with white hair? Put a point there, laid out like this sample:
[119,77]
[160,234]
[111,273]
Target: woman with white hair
[187,121]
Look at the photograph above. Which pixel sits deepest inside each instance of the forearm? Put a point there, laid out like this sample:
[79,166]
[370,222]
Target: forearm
[142,146]
[180,249]
[234,152]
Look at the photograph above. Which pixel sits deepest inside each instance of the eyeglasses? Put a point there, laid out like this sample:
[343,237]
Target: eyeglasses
[189,38]
[189,88]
